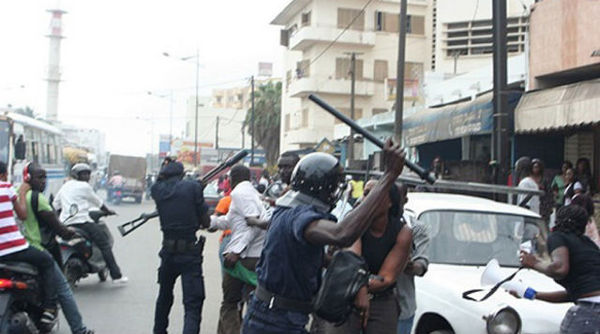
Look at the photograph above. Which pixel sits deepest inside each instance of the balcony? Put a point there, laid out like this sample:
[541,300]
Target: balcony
[325,85]
[308,36]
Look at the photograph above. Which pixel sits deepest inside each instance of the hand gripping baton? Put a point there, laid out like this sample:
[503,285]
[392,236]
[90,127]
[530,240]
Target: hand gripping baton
[131,226]
[423,174]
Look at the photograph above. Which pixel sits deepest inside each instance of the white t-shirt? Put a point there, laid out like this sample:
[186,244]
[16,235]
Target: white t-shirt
[81,194]
[534,202]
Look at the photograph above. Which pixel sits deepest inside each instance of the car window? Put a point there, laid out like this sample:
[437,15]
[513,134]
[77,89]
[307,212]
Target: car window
[474,238]
[211,189]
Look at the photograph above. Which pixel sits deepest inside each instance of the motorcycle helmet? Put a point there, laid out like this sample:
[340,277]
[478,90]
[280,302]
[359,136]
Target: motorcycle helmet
[78,168]
[318,175]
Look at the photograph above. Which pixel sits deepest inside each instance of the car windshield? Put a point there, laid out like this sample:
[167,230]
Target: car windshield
[211,190]
[474,238]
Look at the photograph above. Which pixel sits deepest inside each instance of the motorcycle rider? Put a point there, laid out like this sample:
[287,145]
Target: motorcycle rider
[79,192]
[115,183]
[39,229]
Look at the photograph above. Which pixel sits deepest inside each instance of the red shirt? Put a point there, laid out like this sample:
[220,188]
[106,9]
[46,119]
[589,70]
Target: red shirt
[11,239]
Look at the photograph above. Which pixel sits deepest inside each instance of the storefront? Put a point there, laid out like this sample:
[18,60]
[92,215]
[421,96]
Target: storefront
[560,124]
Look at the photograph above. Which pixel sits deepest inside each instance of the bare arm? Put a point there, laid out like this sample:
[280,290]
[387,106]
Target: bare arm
[345,233]
[50,218]
[553,297]
[20,203]
[557,268]
[394,262]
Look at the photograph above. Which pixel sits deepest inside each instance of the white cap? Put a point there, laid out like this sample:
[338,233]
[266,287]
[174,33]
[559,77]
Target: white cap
[577,186]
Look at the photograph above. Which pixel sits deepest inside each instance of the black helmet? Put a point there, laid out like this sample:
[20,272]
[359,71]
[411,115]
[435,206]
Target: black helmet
[318,175]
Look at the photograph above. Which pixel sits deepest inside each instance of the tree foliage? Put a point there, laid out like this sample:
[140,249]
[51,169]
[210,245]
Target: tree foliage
[267,119]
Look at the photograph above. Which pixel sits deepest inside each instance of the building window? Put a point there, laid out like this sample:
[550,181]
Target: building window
[345,17]
[342,69]
[377,111]
[305,19]
[415,25]
[387,22]
[303,69]
[346,111]
[304,118]
[380,70]
[476,37]
[287,122]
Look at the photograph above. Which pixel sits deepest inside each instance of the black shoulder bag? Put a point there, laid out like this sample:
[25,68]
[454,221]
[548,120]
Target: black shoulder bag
[346,274]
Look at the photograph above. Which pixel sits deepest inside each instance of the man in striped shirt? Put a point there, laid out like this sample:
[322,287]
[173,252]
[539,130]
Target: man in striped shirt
[14,247]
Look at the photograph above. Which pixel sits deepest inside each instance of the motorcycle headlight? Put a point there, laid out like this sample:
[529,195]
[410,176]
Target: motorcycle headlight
[504,321]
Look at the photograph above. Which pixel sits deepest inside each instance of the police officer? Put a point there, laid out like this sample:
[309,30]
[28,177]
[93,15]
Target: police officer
[290,265]
[182,212]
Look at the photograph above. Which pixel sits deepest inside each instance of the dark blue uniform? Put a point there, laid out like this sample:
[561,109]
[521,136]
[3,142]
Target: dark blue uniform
[180,205]
[289,267]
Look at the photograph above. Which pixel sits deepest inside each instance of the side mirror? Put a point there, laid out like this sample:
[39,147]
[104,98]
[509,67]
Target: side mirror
[73,209]
[20,150]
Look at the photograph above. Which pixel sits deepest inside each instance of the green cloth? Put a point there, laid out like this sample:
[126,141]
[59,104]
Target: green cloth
[242,273]
[31,227]
[559,183]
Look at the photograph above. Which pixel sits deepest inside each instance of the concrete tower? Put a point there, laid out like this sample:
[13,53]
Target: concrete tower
[55,36]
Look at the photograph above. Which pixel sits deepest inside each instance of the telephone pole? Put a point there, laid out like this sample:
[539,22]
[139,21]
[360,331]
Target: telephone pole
[252,125]
[350,147]
[217,134]
[399,114]
[500,140]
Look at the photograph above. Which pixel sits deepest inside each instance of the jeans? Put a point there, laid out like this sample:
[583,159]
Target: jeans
[383,318]
[189,267]
[222,246]
[101,240]
[45,265]
[67,302]
[230,317]
[583,318]
[260,319]
[405,325]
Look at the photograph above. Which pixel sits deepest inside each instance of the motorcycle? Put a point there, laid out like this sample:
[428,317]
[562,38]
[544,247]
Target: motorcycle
[116,195]
[20,298]
[81,257]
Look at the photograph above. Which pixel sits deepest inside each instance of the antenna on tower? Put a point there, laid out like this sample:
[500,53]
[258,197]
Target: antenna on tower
[54,74]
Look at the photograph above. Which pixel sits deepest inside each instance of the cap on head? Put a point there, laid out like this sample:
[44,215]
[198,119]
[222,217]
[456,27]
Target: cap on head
[318,175]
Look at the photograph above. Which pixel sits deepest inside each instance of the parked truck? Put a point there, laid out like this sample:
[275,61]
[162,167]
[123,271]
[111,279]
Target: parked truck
[133,172]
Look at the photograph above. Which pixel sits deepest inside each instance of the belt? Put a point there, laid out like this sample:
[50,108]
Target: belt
[182,246]
[277,301]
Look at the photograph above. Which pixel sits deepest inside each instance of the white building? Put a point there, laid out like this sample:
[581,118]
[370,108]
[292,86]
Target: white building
[314,63]
[229,123]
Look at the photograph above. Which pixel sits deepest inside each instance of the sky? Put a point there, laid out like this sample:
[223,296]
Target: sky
[113,55]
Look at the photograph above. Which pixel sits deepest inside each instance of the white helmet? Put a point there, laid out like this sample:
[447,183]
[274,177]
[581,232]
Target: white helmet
[78,168]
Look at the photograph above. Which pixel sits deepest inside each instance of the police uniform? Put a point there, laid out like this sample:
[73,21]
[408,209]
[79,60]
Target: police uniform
[180,205]
[289,269]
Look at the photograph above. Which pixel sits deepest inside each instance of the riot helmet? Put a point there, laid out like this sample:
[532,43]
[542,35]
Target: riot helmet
[80,168]
[318,175]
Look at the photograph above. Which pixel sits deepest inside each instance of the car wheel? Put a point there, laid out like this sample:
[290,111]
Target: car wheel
[442,331]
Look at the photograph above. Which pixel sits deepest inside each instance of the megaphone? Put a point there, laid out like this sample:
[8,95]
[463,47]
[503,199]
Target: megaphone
[492,275]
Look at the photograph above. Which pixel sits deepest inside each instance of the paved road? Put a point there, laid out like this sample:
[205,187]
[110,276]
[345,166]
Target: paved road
[111,309]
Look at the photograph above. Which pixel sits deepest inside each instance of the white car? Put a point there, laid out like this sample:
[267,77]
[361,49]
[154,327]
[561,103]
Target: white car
[465,234]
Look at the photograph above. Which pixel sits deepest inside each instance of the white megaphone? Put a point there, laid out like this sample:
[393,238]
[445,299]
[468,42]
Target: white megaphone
[492,275]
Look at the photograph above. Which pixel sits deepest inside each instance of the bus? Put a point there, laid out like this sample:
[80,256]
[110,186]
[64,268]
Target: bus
[24,139]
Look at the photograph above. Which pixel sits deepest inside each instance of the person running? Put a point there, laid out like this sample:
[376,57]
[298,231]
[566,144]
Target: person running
[289,269]
[40,229]
[386,249]
[14,247]
[574,264]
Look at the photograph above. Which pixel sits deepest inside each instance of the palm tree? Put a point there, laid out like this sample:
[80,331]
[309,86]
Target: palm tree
[267,119]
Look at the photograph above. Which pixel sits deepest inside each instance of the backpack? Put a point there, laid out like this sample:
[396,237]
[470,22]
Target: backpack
[48,235]
[346,274]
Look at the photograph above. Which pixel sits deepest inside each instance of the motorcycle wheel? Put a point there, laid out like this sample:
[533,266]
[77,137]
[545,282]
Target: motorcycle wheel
[73,271]
[103,275]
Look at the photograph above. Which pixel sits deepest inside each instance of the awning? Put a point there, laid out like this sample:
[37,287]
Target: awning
[453,121]
[572,105]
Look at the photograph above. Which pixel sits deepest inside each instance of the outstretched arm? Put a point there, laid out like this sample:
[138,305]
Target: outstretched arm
[394,262]
[344,233]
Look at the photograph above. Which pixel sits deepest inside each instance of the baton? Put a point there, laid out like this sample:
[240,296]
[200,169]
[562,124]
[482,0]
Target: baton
[131,226]
[423,174]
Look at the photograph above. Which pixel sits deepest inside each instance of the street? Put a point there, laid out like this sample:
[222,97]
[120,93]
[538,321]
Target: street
[107,308]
